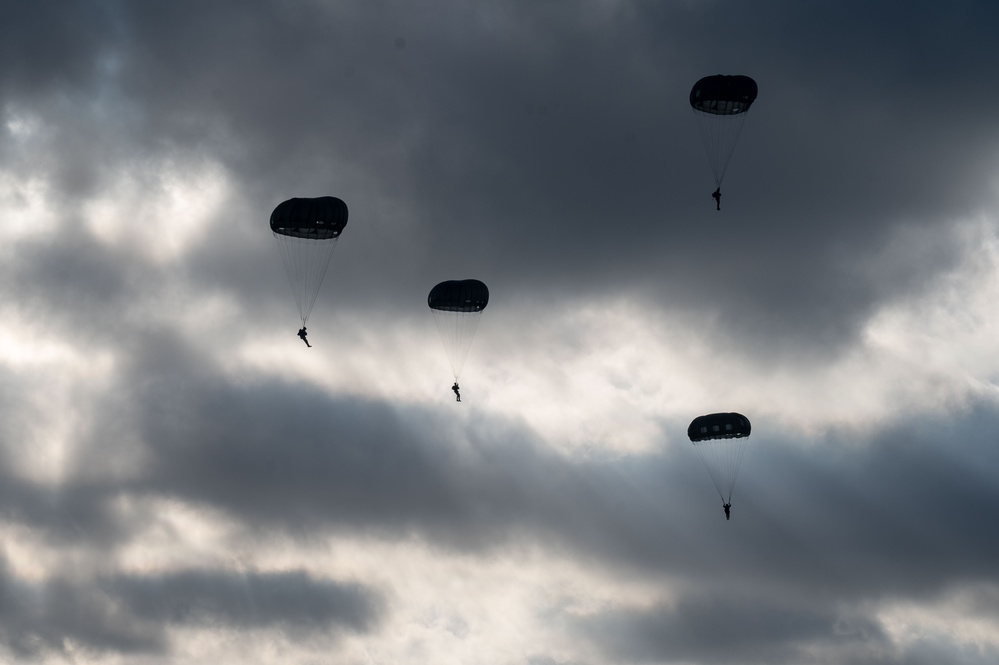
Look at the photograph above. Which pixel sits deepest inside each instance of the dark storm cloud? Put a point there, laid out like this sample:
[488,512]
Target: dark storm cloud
[734,631]
[37,618]
[294,600]
[69,279]
[902,513]
[818,533]
[819,538]
[132,614]
[72,514]
[560,144]
[739,630]
[49,46]
[551,149]
[290,456]
[730,629]
[937,650]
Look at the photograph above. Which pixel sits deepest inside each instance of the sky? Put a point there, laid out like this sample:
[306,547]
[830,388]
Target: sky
[183,481]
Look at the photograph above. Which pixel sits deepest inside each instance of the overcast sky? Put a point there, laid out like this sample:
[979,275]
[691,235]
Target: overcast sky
[183,481]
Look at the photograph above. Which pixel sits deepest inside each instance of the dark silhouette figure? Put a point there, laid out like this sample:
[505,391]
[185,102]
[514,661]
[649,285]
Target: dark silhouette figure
[728,510]
[457,395]
[302,334]
[716,195]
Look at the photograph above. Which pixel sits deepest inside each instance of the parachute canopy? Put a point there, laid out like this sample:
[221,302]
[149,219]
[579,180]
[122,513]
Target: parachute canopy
[306,231]
[720,104]
[465,295]
[719,426]
[723,95]
[321,218]
[720,441]
[457,306]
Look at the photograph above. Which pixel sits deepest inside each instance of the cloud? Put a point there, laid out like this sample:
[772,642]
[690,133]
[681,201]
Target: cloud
[294,600]
[53,616]
[135,614]
[724,629]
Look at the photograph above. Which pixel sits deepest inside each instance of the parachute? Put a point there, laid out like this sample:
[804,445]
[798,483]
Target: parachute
[720,441]
[720,105]
[457,306]
[306,231]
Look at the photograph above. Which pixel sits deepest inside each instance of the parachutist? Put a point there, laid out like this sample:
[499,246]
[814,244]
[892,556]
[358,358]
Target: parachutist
[457,305]
[720,439]
[302,334]
[720,105]
[716,195]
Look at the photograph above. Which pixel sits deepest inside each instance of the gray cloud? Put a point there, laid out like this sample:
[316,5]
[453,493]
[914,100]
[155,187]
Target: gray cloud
[41,618]
[904,509]
[128,614]
[730,629]
[293,600]
[557,153]
[818,533]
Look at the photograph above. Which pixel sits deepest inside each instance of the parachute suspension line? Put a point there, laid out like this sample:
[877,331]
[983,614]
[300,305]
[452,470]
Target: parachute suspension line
[719,133]
[457,329]
[306,262]
[741,450]
[322,264]
[722,457]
